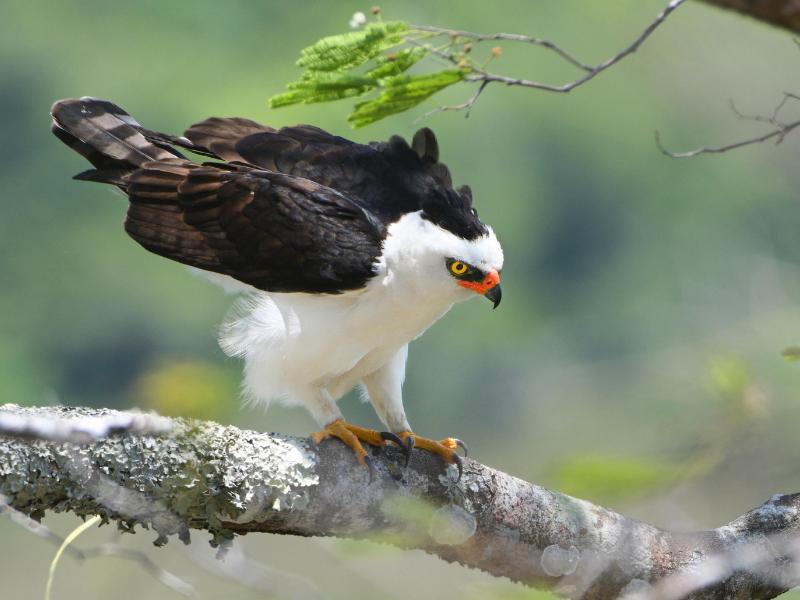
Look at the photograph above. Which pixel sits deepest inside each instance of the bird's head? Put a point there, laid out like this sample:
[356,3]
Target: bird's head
[438,261]
[444,249]
[467,248]
[484,281]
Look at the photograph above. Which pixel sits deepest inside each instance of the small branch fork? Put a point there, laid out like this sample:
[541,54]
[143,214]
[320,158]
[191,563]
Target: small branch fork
[231,482]
[483,77]
[778,132]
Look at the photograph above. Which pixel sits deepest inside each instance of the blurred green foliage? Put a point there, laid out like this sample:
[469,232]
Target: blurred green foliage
[186,388]
[627,274]
[611,479]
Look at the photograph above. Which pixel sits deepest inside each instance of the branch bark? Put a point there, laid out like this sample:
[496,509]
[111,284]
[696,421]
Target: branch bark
[782,13]
[230,481]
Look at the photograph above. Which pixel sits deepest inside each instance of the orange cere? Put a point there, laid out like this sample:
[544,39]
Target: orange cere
[481,287]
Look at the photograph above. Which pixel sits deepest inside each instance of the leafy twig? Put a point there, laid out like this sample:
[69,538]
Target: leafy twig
[333,66]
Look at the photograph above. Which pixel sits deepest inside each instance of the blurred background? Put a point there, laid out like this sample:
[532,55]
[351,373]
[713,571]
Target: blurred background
[636,358]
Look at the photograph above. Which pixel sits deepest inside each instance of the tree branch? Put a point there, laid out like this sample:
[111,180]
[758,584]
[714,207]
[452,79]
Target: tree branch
[229,481]
[782,13]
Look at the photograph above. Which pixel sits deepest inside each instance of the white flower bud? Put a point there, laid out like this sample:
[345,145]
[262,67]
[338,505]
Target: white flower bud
[358,20]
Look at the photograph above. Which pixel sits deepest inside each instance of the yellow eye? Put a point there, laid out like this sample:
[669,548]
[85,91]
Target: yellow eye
[458,268]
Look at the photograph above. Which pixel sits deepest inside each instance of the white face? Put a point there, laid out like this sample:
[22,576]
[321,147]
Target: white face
[422,253]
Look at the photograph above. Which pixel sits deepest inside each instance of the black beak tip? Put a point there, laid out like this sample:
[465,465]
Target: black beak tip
[495,295]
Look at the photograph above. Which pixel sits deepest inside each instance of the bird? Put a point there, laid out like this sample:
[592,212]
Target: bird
[343,253]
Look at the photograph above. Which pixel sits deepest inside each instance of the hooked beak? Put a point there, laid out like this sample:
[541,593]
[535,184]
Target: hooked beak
[495,295]
[489,287]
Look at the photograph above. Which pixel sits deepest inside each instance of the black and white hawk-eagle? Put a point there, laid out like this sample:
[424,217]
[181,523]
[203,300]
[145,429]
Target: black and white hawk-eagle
[347,251]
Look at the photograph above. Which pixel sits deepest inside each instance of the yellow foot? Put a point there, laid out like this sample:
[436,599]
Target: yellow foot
[445,448]
[352,436]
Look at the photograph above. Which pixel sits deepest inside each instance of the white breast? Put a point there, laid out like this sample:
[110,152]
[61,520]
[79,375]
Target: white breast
[292,341]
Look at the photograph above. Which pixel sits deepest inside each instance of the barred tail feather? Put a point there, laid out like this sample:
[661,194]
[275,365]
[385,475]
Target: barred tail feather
[107,136]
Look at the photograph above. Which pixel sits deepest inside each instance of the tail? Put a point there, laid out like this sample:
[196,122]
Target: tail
[108,137]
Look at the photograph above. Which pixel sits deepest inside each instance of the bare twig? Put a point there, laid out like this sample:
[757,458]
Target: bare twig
[484,77]
[592,73]
[463,106]
[778,133]
[239,567]
[511,37]
[230,481]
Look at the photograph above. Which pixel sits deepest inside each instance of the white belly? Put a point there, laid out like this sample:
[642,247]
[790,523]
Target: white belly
[293,342]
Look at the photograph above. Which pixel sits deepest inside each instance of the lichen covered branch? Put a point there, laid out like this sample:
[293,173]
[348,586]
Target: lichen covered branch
[229,481]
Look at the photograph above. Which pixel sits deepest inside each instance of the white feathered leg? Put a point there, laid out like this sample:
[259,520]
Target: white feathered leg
[385,390]
[320,404]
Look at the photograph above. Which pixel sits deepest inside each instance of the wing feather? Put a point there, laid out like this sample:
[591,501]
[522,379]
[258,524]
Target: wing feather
[270,230]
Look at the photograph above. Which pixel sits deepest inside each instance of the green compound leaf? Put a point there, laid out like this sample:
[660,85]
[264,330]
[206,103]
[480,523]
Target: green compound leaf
[395,63]
[401,93]
[347,50]
[374,59]
[288,98]
[322,87]
[330,82]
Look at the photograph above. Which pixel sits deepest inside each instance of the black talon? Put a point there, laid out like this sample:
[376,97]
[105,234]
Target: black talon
[460,465]
[461,445]
[388,436]
[407,447]
[371,467]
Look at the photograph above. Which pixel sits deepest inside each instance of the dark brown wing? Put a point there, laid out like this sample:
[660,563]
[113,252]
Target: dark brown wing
[389,179]
[273,231]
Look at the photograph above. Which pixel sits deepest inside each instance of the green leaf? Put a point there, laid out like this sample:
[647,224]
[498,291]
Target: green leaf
[330,81]
[345,51]
[287,98]
[322,87]
[401,93]
[395,63]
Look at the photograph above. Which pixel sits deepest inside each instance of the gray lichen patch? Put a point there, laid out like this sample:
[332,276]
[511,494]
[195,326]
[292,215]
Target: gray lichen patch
[203,475]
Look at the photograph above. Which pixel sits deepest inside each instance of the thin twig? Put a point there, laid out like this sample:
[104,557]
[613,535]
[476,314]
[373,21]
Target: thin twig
[478,74]
[463,106]
[239,567]
[779,132]
[511,37]
[592,73]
